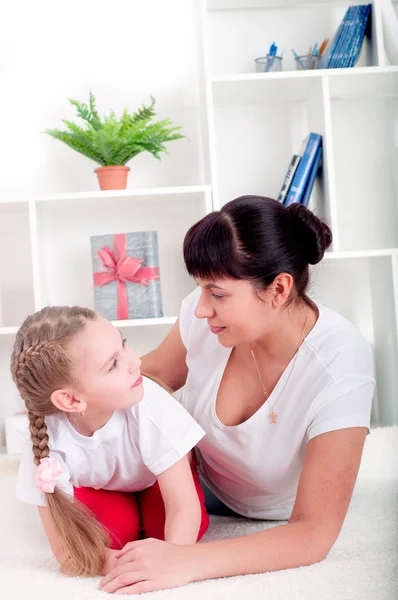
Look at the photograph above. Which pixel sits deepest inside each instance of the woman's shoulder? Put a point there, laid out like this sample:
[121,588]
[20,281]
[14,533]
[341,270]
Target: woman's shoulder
[339,343]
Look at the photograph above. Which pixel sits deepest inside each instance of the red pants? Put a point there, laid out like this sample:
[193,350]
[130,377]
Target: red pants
[132,516]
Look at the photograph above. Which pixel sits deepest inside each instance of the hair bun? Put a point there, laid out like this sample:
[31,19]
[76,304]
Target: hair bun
[317,236]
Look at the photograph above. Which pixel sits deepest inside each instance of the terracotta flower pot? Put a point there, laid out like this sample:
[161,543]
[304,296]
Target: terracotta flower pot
[113,177]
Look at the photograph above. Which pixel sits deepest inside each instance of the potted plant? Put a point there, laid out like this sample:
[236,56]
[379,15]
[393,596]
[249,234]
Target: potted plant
[113,142]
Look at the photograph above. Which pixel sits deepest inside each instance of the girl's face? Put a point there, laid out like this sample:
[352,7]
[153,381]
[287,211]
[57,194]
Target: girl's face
[235,311]
[107,371]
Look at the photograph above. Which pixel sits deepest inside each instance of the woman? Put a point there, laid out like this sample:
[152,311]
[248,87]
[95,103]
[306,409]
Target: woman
[283,388]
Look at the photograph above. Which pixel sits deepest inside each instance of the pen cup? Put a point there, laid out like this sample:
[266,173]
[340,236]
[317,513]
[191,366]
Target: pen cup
[307,61]
[268,64]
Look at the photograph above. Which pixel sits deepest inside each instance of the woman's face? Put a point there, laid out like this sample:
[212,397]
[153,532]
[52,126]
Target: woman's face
[235,311]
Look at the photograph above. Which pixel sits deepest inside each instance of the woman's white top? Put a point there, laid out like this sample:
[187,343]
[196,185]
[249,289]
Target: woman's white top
[127,454]
[254,467]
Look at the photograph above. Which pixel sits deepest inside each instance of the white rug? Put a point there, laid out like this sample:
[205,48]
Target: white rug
[361,566]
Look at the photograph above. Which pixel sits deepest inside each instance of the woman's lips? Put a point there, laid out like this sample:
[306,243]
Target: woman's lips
[138,382]
[216,329]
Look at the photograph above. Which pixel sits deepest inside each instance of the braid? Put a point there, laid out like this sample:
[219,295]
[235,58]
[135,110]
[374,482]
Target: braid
[39,437]
[21,361]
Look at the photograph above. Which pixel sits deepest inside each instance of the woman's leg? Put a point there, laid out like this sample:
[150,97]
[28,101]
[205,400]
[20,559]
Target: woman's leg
[153,513]
[118,513]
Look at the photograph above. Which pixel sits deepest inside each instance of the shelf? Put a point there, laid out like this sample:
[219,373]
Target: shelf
[8,330]
[361,254]
[247,34]
[128,193]
[214,5]
[145,322]
[372,82]
[356,72]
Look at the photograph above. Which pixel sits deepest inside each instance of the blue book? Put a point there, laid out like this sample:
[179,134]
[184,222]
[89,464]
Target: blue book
[342,34]
[363,25]
[314,172]
[303,171]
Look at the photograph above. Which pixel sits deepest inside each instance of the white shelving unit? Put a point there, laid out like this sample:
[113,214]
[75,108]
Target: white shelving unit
[249,126]
[45,243]
[257,121]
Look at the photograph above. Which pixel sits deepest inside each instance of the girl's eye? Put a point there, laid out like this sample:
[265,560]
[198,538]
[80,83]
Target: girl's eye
[113,365]
[124,341]
[217,297]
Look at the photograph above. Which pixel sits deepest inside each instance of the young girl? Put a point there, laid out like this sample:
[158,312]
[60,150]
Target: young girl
[110,448]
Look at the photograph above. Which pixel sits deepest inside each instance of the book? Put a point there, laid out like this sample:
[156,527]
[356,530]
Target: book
[362,28]
[343,34]
[344,48]
[296,192]
[289,177]
[126,275]
[311,180]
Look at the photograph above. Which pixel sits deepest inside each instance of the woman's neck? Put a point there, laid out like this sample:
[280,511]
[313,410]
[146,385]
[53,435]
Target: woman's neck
[88,424]
[294,324]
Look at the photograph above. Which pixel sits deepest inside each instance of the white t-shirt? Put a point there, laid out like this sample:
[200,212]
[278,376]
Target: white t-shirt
[254,467]
[127,454]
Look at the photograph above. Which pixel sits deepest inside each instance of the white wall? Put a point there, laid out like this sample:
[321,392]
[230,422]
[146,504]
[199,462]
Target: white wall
[123,50]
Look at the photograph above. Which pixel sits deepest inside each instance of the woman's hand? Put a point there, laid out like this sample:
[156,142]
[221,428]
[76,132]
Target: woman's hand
[150,565]
[110,560]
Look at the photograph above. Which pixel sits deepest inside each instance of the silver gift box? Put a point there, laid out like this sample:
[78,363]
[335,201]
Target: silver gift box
[144,301]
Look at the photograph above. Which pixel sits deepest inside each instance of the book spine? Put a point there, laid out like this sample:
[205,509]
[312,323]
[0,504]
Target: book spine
[351,32]
[360,34]
[336,54]
[289,177]
[311,180]
[302,173]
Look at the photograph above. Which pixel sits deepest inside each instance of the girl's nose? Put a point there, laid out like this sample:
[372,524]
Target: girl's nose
[204,309]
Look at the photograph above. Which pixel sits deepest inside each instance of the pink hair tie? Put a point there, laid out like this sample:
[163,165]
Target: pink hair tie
[46,473]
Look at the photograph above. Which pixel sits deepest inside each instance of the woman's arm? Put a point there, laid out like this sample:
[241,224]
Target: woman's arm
[167,361]
[181,502]
[324,492]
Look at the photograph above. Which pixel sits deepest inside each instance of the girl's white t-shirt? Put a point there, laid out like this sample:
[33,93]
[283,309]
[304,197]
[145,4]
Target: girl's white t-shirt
[127,454]
[254,467]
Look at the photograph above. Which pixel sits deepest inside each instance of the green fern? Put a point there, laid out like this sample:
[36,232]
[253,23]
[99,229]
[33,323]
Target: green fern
[112,141]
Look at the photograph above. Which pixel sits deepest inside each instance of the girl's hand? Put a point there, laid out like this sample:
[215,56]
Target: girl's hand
[110,560]
[150,565]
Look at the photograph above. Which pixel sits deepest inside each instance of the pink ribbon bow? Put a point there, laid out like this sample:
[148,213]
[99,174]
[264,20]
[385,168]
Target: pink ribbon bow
[46,473]
[122,268]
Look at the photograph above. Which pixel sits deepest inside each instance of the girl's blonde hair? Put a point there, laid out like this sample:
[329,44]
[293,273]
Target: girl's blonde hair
[40,365]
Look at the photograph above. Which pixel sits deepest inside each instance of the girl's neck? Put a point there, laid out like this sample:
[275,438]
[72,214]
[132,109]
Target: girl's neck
[88,424]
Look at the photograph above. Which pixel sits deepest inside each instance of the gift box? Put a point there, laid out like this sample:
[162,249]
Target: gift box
[126,275]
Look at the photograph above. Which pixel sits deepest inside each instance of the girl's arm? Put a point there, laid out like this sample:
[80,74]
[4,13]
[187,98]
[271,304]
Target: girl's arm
[55,541]
[324,492]
[181,502]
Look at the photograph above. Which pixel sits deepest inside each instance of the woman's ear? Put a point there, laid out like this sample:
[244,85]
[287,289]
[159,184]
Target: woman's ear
[66,401]
[282,286]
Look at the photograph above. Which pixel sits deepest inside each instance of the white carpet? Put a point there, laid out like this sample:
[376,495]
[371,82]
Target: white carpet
[361,566]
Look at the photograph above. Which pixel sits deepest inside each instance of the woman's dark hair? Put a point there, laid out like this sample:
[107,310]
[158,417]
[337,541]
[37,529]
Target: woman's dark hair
[256,238]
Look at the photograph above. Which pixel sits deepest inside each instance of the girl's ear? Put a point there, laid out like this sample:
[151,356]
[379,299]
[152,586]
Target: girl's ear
[66,401]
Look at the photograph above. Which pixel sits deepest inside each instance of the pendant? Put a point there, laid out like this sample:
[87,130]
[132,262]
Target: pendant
[273,416]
